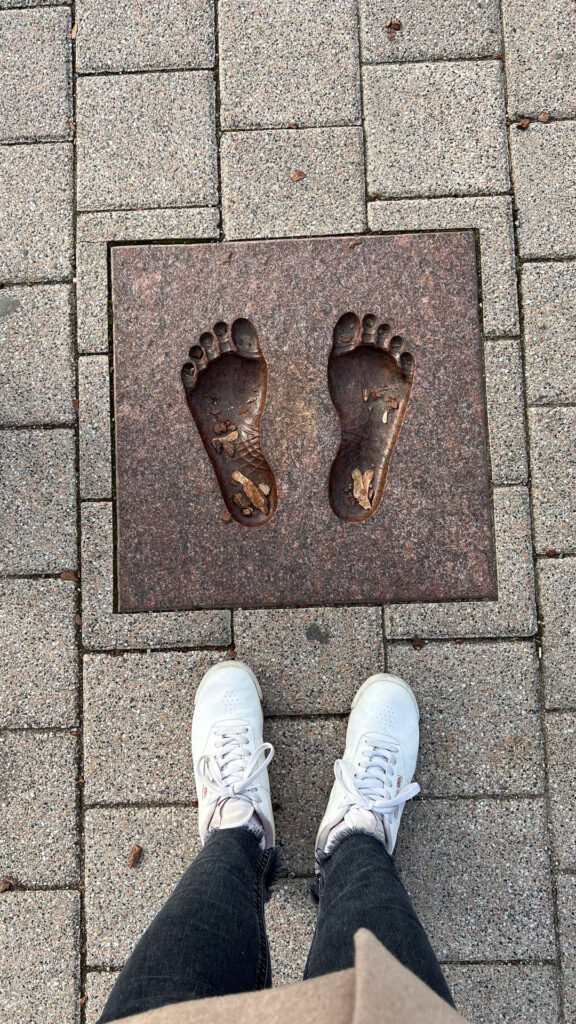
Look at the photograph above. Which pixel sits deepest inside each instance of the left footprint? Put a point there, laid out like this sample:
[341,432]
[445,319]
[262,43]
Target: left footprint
[225,383]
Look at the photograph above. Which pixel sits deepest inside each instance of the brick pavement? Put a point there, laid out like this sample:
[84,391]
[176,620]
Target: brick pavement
[163,122]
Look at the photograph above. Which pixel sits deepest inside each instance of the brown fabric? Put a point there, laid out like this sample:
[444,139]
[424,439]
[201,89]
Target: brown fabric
[377,990]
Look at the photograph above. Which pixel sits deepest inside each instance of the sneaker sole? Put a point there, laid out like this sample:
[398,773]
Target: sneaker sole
[227,664]
[385,677]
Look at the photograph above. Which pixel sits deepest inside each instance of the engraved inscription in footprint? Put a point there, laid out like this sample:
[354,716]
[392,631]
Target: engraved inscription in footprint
[370,380]
[225,383]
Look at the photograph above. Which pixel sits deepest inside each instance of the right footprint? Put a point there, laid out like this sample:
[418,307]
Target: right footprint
[370,380]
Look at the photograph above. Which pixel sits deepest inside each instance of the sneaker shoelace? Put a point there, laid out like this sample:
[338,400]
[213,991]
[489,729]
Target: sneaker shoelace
[370,784]
[232,771]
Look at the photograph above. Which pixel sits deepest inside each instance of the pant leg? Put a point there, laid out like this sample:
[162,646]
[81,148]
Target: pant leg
[360,888]
[209,939]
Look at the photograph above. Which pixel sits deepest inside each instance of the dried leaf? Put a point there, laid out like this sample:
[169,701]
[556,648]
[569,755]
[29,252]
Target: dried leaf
[74,32]
[78,620]
[241,411]
[418,643]
[251,492]
[523,124]
[297,175]
[551,553]
[354,242]
[228,447]
[247,511]
[135,854]
[11,884]
[70,575]
[241,500]
[225,257]
[226,517]
[82,1000]
[365,394]
[76,405]
[253,399]
[361,485]
[544,117]
[220,428]
[265,488]
[385,416]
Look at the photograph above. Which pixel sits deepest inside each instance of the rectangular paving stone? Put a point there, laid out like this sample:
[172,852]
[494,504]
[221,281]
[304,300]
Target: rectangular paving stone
[290,923]
[300,68]
[544,174]
[35,213]
[553,458]
[40,957]
[435,129]
[37,371]
[310,660]
[566,887]
[38,657]
[38,828]
[561,749]
[478,874]
[505,402]
[103,629]
[540,71]
[459,28]
[549,301]
[93,327]
[94,414]
[557,591]
[38,501]
[152,34]
[500,993]
[121,901]
[146,140]
[513,614]
[479,716]
[35,73]
[137,719]
[261,200]
[491,217]
[98,987]
[301,777]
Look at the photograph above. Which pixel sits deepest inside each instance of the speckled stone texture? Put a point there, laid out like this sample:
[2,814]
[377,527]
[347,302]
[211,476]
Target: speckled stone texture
[540,70]
[561,749]
[295,68]
[544,175]
[146,140]
[37,368]
[446,549]
[435,129]
[39,957]
[501,993]
[37,501]
[479,724]
[557,591]
[99,985]
[478,875]
[35,213]
[35,56]
[290,923]
[38,831]
[567,927]
[505,401]
[549,300]
[150,35]
[95,449]
[38,657]
[553,456]
[260,200]
[310,661]
[458,28]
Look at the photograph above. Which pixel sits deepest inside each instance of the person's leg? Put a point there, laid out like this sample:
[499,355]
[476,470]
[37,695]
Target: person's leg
[358,883]
[210,939]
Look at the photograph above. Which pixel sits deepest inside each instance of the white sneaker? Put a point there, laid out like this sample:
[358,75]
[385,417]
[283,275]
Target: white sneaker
[230,759]
[374,778]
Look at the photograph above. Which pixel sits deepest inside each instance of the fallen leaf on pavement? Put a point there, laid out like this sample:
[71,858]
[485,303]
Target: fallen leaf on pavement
[11,884]
[69,574]
[361,485]
[523,124]
[265,488]
[135,854]
[297,175]
[225,257]
[226,517]
[544,117]
[251,492]
[74,32]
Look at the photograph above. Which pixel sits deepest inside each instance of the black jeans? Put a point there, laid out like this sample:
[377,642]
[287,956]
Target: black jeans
[210,938]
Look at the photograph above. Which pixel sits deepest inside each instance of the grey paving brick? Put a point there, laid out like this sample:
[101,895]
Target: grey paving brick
[301,777]
[152,34]
[40,957]
[35,71]
[146,140]
[36,367]
[540,71]
[103,629]
[478,874]
[35,212]
[94,422]
[479,716]
[500,993]
[290,922]
[459,28]
[38,829]
[38,501]
[553,455]
[30,3]
[122,901]
[513,614]
[544,174]
[99,985]
[260,199]
[435,129]
[92,297]
[149,225]
[561,748]
[297,68]
[137,717]
[38,658]
[557,588]
[549,300]
[312,660]
[505,402]
[491,217]
[566,886]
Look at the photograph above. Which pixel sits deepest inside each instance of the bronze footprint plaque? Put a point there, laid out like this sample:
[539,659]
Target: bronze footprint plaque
[300,422]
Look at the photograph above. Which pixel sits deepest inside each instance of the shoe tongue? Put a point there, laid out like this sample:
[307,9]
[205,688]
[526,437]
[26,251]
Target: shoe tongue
[232,813]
